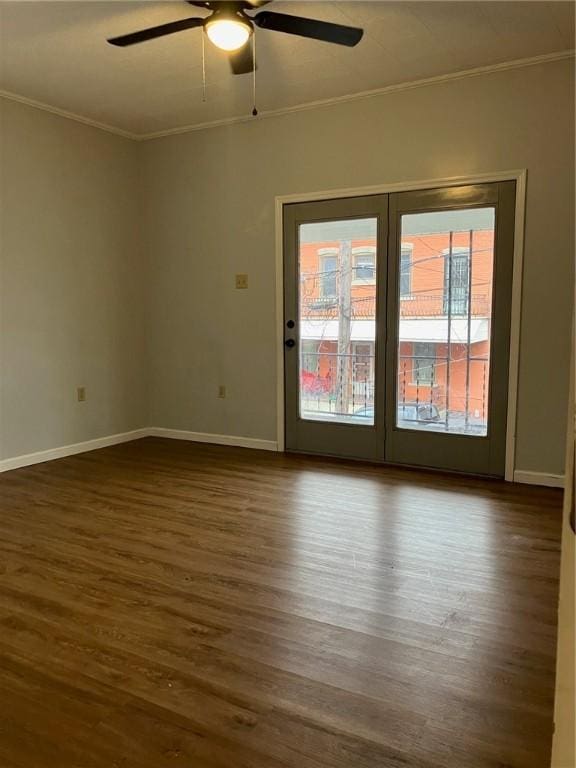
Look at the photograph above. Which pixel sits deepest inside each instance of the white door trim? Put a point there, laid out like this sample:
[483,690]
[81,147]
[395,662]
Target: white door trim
[519,176]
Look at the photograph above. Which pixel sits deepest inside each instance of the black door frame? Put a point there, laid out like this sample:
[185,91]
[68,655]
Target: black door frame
[517,175]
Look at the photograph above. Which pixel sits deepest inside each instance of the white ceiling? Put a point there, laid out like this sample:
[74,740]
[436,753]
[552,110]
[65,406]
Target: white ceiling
[56,53]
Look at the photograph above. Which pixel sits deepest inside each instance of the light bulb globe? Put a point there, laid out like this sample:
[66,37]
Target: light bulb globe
[228,34]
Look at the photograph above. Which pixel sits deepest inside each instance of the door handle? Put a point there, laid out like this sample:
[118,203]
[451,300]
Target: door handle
[289,343]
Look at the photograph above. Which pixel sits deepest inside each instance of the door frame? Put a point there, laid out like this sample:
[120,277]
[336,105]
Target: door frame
[520,177]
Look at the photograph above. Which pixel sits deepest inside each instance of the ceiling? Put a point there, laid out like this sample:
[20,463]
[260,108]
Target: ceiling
[56,53]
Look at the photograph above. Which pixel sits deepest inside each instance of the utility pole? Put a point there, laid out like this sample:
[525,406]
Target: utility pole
[344,326]
[449,334]
[468,335]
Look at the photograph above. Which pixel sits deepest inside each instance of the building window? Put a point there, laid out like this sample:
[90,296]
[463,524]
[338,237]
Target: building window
[406,269]
[328,276]
[423,362]
[309,361]
[364,265]
[363,374]
[363,357]
[456,290]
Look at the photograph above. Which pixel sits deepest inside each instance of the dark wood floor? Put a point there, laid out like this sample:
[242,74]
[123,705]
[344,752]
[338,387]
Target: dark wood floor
[171,604]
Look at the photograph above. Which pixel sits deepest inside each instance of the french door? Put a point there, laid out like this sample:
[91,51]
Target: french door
[397,326]
[335,297]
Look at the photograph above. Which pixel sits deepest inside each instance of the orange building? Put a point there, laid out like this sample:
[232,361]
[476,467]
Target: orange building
[444,323]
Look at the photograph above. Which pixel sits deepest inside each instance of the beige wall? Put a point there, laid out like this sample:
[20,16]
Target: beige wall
[564,741]
[75,282]
[71,283]
[210,214]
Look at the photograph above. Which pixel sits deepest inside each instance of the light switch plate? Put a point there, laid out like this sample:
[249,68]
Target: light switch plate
[241,281]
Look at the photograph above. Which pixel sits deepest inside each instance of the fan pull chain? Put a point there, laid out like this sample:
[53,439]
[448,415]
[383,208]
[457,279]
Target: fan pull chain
[254,111]
[203,67]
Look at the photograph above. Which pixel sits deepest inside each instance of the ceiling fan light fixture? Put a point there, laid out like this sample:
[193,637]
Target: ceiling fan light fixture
[228,34]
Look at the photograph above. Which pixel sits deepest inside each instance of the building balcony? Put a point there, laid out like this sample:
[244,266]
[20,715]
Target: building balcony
[415,305]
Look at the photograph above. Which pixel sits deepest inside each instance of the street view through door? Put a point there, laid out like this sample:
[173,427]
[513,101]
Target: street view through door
[397,326]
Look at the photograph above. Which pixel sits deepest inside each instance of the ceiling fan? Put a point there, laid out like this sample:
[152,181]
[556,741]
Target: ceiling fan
[230,27]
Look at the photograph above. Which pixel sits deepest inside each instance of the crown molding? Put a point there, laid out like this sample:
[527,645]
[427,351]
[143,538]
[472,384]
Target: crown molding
[68,115]
[389,89]
[437,79]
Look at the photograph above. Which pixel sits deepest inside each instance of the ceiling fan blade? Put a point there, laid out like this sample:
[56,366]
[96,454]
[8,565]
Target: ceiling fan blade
[153,32]
[319,30]
[214,5]
[242,61]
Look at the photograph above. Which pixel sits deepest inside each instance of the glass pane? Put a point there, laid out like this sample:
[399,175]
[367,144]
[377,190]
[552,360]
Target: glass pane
[445,289]
[337,316]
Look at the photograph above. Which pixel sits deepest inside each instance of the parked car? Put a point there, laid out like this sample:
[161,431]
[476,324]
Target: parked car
[425,416]
[423,412]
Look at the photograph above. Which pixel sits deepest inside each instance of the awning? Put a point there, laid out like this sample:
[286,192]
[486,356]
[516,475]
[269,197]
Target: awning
[433,330]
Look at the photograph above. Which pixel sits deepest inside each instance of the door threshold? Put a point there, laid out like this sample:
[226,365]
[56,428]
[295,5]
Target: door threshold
[394,465]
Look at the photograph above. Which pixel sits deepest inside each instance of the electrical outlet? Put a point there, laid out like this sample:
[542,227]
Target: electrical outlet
[222,391]
[81,394]
[241,281]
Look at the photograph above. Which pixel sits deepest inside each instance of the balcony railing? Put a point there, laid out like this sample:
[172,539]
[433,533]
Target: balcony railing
[436,305]
[412,305]
[452,392]
[455,385]
[336,384]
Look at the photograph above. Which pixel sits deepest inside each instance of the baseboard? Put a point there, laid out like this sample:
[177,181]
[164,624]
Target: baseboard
[206,437]
[70,450]
[104,442]
[520,476]
[538,478]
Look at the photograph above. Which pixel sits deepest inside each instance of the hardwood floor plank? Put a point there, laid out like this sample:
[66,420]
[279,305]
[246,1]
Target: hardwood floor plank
[163,602]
